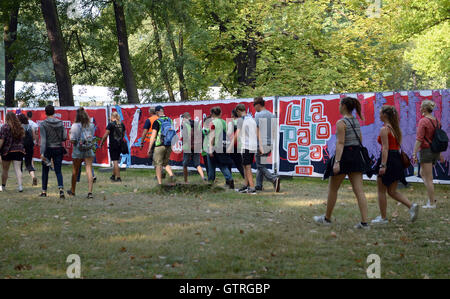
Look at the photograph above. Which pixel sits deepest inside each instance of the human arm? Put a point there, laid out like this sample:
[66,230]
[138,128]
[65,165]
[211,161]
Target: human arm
[104,137]
[340,141]
[152,142]
[384,149]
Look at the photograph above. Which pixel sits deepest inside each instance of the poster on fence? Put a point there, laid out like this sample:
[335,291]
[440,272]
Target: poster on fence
[307,127]
[134,116]
[67,115]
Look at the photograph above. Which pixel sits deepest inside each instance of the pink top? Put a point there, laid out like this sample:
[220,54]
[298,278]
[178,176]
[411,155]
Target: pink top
[425,131]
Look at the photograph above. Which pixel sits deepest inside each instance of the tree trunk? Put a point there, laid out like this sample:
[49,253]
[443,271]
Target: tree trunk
[59,56]
[9,37]
[124,53]
[179,62]
[164,74]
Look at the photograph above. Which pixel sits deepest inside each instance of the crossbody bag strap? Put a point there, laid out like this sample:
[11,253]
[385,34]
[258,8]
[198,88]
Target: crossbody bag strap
[359,138]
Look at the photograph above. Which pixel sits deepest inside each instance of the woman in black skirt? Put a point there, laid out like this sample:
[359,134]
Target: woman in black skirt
[389,166]
[347,161]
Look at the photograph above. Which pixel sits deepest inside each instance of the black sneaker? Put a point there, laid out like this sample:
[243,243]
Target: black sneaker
[243,189]
[230,184]
[118,180]
[61,194]
[90,196]
[251,191]
[94,179]
[35,182]
[43,194]
[113,178]
[276,185]
[258,188]
[70,193]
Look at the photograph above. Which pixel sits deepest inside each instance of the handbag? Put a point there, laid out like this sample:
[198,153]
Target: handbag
[406,161]
[368,162]
[123,147]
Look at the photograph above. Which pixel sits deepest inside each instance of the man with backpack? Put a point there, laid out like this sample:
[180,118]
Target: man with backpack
[147,132]
[192,143]
[162,135]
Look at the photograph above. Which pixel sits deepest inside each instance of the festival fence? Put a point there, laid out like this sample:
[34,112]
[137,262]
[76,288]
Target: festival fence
[306,128]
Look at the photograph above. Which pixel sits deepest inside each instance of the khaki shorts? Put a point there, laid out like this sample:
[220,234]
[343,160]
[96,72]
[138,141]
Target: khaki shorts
[427,156]
[161,155]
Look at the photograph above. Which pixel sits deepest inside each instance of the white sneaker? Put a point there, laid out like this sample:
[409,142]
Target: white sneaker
[414,212]
[321,220]
[1,188]
[20,189]
[429,206]
[379,220]
[361,226]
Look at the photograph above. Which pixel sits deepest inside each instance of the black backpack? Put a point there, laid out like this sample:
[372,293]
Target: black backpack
[440,139]
[28,139]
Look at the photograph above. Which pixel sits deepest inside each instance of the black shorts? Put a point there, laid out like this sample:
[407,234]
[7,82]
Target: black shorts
[248,157]
[13,156]
[114,153]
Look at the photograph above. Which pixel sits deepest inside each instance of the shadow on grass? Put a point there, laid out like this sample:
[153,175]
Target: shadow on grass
[186,189]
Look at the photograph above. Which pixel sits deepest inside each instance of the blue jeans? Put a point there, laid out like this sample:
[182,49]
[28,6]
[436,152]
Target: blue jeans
[212,164]
[55,154]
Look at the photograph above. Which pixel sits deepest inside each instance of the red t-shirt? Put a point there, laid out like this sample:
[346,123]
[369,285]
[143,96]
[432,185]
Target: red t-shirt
[425,131]
[393,143]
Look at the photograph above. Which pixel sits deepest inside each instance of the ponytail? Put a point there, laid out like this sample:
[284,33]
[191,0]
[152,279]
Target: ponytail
[392,115]
[352,104]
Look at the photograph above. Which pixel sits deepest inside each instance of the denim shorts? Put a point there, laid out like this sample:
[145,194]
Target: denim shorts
[77,154]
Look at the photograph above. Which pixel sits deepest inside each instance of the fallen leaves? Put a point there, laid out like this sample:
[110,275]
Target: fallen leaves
[21,267]
[123,249]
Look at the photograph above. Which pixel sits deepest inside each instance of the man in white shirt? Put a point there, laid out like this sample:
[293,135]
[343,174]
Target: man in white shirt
[248,145]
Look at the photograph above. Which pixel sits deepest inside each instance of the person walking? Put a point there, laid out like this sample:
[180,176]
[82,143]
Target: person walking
[347,161]
[427,158]
[53,134]
[248,146]
[191,137]
[217,148]
[264,122]
[235,155]
[161,138]
[28,143]
[116,132]
[12,149]
[35,129]
[147,132]
[389,166]
[82,139]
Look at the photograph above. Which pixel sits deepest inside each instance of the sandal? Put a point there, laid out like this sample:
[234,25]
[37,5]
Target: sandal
[90,196]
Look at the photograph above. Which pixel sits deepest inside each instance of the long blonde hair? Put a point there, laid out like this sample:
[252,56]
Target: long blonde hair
[115,117]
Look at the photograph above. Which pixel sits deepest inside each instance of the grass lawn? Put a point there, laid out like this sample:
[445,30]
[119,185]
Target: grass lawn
[135,230]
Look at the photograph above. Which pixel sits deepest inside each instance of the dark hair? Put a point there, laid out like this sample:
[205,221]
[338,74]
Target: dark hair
[216,111]
[352,104]
[30,114]
[23,119]
[258,101]
[240,107]
[13,122]
[392,116]
[234,113]
[82,117]
[49,110]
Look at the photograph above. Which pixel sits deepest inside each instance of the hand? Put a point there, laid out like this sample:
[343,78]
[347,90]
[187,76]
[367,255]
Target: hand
[211,155]
[42,157]
[261,151]
[150,152]
[382,171]
[414,158]
[336,168]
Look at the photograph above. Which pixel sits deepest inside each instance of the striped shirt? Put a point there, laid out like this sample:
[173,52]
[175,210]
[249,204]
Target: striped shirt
[350,138]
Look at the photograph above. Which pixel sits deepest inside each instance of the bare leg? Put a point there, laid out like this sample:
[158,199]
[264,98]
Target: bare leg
[185,173]
[426,172]
[159,174]
[249,176]
[18,172]
[392,191]
[76,163]
[357,184]
[333,187]
[200,172]
[5,168]
[116,169]
[89,162]
[382,201]
[169,170]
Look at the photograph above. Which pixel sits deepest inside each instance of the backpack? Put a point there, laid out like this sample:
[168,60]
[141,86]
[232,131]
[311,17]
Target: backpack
[439,142]
[86,141]
[166,131]
[118,132]
[28,139]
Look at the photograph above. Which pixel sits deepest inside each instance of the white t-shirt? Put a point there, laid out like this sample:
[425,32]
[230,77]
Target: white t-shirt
[33,125]
[248,138]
